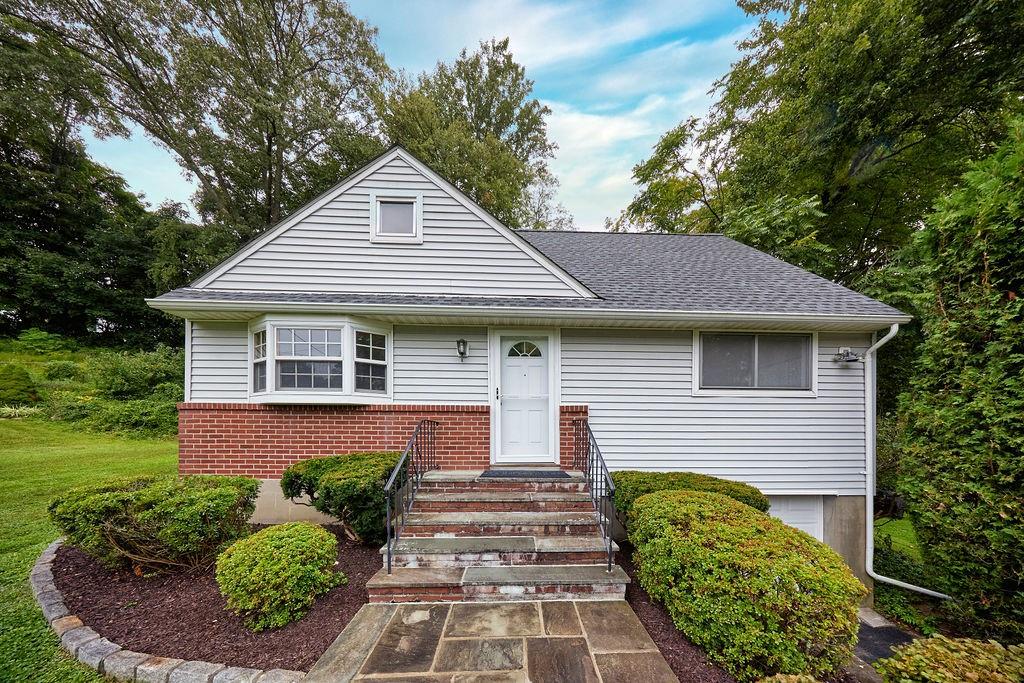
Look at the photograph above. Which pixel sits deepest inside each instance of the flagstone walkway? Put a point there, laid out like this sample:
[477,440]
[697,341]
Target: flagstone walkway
[541,642]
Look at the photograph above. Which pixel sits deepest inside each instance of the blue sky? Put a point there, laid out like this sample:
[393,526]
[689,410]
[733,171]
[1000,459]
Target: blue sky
[616,76]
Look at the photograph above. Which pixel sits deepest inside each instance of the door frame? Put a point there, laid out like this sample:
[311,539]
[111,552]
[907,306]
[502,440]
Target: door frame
[553,335]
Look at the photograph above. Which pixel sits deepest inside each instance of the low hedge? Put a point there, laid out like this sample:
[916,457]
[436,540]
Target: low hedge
[272,577]
[16,386]
[157,523]
[760,597]
[943,660]
[631,484]
[349,488]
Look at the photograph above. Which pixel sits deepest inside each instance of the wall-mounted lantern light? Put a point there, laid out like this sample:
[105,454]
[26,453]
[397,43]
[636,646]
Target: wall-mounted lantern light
[462,347]
[846,355]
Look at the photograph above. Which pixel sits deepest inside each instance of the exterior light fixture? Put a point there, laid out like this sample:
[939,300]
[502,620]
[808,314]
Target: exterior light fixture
[462,347]
[846,355]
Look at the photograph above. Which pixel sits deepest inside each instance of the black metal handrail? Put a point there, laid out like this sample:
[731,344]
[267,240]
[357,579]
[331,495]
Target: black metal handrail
[587,458]
[418,458]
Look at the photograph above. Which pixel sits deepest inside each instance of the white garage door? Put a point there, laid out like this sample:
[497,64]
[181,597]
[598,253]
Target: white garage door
[802,512]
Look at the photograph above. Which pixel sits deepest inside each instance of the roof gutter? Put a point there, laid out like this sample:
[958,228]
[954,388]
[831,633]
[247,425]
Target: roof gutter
[182,306]
[870,401]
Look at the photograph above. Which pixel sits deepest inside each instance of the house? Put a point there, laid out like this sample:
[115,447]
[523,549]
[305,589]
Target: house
[393,297]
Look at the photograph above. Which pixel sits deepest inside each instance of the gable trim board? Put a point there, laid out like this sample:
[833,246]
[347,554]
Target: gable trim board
[377,164]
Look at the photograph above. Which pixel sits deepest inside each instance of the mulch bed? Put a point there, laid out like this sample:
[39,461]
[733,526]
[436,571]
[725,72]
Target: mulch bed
[183,615]
[686,659]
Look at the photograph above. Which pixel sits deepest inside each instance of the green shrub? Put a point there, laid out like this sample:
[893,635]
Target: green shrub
[68,406]
[760,597]
[943,660]
[18,412]
[38,341]
[156,523]
[135,375]
[135,418]
[272,577]
[349,488]
[60,370]
[631,484]
[789,678]
[16,386]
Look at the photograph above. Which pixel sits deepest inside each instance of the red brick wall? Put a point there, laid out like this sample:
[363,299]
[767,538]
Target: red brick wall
[566,446]
[262,440]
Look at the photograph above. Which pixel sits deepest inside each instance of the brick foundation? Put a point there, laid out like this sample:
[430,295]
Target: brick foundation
[262,440]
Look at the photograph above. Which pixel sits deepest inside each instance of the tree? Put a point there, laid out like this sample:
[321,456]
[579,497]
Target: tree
[74,243]
[252,97]
[475,123]
[964,474]
[871,106]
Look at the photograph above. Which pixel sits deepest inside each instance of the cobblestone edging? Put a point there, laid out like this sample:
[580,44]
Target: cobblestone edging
[113,661]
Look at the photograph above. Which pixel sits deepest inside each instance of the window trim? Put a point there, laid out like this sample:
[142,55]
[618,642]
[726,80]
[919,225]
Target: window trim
[698,390]
[348,394]
[407,196]
[356,360]
[251,370]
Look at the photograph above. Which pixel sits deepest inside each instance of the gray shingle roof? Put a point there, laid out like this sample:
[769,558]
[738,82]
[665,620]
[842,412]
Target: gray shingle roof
[631,271]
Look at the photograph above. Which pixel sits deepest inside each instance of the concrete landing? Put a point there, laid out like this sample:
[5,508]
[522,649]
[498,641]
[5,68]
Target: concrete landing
[539,642]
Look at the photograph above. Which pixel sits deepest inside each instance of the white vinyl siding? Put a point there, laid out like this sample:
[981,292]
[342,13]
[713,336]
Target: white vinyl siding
[219,358]
[331,250]
[428,369]
[638,386]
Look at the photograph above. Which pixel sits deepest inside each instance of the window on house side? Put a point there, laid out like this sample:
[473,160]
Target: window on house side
[309,358]
[371,362]
[396,218]
[259,361]
[755,361]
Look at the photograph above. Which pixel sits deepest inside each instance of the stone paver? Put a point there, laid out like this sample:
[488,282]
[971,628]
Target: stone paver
[409,641]
[156,669]
[491,654]
[195,672]
[122,664]
[346,654]
[236,674]
[280,676]
[555,660]
[612,626]
[560,619]
[76,638]
[95,651]
[489,621]
[626,667]
[511,642]
[64,624]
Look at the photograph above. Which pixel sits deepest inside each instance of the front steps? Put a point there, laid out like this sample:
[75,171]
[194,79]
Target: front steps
[472,538]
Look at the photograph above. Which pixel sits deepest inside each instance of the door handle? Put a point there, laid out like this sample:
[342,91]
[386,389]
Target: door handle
[497,393]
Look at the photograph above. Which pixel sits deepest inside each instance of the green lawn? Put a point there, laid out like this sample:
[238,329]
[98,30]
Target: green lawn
[901,531]
[38,460]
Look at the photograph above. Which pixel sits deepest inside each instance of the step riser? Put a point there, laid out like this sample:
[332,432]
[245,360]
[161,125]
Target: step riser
[502,506]
[495,559]
[504,486]
[499,593]
[428,530]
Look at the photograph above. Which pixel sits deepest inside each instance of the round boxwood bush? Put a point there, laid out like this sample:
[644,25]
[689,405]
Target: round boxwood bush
[349,488]
[157,523]
[631,484]
[57,370]
[16,386]
[760,597]
[272,577]
[943,660]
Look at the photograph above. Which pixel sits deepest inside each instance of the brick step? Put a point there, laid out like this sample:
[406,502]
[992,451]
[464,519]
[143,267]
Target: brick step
[461,482]
[489,584]
[497,551]
[503,501]
[418,524]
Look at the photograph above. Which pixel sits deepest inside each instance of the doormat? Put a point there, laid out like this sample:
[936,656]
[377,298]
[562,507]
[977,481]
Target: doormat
[525,474]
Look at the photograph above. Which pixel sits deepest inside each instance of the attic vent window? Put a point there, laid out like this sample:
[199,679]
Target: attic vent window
[396,217]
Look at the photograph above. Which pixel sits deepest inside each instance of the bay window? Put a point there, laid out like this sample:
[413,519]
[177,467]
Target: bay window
[311,362]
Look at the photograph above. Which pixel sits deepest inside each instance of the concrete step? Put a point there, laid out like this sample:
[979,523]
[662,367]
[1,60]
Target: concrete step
[453,481]
[489,584]
[419,524]
[502,501]
[498,551]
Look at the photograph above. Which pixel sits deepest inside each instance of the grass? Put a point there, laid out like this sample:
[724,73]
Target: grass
[39,460]
[901,531]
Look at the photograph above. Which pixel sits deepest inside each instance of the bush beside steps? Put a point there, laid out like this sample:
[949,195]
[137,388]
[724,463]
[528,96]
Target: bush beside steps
[349,488]
[272,577]
[944,660]
[631,484]
[760,597]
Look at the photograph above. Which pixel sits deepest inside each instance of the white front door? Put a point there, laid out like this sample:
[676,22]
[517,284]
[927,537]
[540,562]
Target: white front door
[524,400]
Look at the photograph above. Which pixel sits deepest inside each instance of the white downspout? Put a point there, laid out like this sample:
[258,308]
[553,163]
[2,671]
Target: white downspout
[869,498]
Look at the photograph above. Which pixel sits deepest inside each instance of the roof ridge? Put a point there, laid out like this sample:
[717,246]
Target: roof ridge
[606,232]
